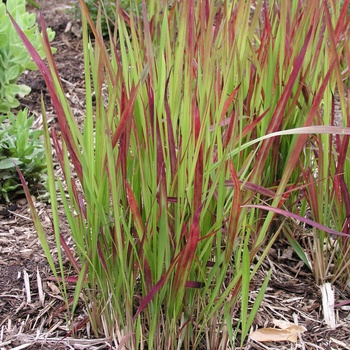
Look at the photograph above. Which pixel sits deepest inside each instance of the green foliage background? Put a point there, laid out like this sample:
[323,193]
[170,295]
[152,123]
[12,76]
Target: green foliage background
[20,144]
[14,58]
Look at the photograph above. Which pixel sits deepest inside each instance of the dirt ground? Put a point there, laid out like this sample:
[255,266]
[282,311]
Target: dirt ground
[30,305]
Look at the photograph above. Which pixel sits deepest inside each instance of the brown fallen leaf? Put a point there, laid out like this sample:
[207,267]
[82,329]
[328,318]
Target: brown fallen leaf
[54,289]
[288,325]
[288,333]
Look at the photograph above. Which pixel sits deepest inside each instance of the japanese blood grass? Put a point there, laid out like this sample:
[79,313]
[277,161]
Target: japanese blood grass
[177,160]
[325,176]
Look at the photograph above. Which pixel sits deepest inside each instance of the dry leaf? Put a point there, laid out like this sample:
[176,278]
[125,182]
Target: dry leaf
[289,332]
[287,253]
[54,288]
[288,325]
[273,334]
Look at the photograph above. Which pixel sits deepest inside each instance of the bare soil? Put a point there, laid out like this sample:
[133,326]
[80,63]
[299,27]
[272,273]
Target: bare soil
[33,319]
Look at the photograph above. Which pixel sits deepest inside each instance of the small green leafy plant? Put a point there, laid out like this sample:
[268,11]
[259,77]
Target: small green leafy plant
[21,146]
[14,58]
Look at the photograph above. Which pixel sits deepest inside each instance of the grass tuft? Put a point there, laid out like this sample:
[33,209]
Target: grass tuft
[210,122]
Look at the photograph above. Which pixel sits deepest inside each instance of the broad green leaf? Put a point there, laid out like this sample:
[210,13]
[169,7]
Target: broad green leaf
[12,73]
[3,40]
[9,163]
[12,90]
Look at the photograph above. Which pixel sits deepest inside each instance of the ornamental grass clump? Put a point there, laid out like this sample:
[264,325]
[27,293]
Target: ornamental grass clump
[198,122]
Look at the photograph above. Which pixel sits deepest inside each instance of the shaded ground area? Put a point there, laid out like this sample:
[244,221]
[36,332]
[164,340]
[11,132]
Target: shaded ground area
[31,314]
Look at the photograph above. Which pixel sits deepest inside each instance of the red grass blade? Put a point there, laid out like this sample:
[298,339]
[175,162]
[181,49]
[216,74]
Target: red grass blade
[135,211]
[170,131]
[233,228]
[70,255]
[186,257]
[149,297]
[297,217]
[125,115]
[198,180]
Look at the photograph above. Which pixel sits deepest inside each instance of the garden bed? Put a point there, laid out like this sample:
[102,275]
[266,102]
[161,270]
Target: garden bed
[31,308]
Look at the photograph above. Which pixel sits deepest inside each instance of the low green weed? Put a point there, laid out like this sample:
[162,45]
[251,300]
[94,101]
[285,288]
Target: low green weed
[21,146]
[200,146]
